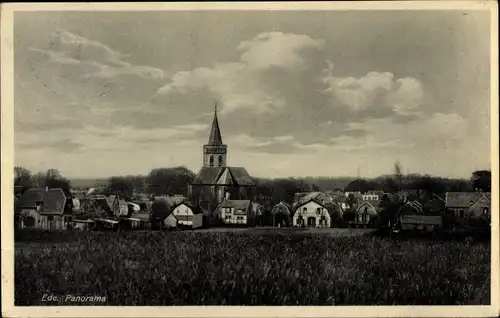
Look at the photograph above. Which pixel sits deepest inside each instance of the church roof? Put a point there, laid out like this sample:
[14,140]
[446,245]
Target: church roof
[223,176]
[215,136]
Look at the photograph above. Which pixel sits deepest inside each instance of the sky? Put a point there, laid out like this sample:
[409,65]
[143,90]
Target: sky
[322,93]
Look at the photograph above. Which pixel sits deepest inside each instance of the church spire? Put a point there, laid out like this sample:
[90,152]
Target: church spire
[215,136]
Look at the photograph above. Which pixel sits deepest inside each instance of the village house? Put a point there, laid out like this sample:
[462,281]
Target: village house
[236,212]
[459,203]
[184,215]
[119,207]
[311,214]
[365,212]
[372,195]
[341,201]
[44,209]
[482,207]
[217,182]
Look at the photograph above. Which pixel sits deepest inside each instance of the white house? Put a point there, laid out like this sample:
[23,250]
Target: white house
[185,215]
[311,214]
[236,212]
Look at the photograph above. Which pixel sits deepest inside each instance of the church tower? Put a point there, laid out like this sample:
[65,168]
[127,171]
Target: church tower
[215,152]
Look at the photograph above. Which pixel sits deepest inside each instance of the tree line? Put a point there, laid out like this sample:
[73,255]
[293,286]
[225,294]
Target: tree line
[51,178]
[175,180]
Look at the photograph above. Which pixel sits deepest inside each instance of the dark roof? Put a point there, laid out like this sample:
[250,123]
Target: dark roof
[54,200]
[310,200]
[212,176]
[196,209]
[462,199]
[241,176]
[207,175]
[215,136]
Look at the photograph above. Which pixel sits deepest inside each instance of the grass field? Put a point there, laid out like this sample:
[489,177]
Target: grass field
[204,268]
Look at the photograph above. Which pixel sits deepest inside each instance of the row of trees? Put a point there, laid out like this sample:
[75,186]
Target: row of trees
[158,181]
[51,178]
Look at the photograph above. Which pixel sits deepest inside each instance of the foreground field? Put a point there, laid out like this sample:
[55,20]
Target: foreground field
[156,268]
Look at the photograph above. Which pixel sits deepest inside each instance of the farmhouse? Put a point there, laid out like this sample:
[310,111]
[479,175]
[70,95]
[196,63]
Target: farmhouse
[311,214]
[216,182]
[44,209]
[184,215]
[366,212]
[482,207]
[238,212]
[459,203]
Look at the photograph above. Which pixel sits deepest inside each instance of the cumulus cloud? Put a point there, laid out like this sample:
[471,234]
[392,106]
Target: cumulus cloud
[277,49]
[375,90]
[241,84]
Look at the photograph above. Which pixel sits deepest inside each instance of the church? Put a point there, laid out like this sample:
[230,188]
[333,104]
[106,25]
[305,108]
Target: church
[216,181]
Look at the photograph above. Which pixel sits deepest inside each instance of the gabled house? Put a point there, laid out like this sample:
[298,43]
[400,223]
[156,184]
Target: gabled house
[185,215]
[238,212]
[44,209]
[481,208]
[119,207]
[459,203]
[311,214]
[365,213]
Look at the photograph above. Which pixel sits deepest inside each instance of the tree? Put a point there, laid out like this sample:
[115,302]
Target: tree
[120,185]
[481,180]
[54,179]
[22,177]
[360,185]
[170,180]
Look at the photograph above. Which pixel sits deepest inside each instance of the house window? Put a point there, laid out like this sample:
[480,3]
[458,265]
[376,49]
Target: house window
[318,211]
[461,213]
[304,210]
[211,161]
[50,218]
[228,210]
[228,217]
[220,161]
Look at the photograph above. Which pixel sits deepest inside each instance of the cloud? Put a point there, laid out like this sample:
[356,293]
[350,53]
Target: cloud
[277,49]
[71,49]
[241,84]
[437,130]
[375,90]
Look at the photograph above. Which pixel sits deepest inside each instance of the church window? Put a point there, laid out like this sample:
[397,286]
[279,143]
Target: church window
[211,161]
[220,161]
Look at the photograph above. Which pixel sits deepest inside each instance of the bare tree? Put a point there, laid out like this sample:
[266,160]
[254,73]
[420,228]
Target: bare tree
[22,177]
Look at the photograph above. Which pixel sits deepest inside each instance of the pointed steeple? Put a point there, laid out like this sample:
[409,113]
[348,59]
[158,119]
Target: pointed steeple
[215,136]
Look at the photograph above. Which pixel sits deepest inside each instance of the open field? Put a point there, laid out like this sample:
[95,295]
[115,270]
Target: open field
[234,268]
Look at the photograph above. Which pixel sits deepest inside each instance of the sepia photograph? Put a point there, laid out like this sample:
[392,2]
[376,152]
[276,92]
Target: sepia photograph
[197,155]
